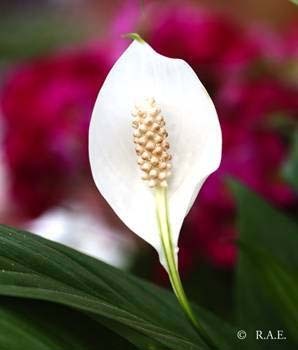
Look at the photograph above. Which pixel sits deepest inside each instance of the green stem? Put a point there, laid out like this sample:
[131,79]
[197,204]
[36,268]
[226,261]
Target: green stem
[162,212]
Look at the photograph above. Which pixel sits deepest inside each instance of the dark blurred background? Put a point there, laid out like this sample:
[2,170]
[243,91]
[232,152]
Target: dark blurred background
[54,56]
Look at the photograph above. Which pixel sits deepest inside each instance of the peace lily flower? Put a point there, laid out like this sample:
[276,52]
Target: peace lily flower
[154,138]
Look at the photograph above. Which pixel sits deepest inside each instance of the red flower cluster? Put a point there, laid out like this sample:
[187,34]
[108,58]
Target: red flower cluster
[211,43]
[46,105]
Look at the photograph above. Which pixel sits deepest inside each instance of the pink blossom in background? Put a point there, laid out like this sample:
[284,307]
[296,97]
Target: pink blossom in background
[46,106]
[210,42]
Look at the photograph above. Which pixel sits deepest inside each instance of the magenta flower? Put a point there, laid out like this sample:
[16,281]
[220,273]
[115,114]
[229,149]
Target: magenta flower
[213,44]
[46,108]
[253,151]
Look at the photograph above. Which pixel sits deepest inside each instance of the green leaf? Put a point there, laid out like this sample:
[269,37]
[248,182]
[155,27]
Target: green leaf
[267,287]
[290,170]
[263,225]
[280,285]
[39,325]
[148,316]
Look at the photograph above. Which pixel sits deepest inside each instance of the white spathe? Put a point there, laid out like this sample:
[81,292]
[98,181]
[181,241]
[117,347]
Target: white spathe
[194,137]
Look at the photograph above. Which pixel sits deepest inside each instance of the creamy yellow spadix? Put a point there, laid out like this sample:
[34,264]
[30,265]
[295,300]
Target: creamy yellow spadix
[150,137]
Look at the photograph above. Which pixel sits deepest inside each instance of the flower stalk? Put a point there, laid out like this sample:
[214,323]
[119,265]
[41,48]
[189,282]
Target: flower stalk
[162,214]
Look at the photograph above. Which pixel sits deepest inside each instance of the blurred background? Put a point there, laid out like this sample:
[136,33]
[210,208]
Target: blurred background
[54,56]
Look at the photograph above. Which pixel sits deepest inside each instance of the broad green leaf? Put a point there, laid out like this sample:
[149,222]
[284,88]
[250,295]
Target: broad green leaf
[36,325]
[263,225]
[280,285]
[290,170]
[150,317]
[266,294]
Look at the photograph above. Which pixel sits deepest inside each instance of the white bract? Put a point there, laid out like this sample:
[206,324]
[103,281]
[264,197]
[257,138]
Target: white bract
[192,131]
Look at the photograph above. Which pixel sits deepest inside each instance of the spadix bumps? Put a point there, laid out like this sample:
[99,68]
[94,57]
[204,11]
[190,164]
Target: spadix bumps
[150,138]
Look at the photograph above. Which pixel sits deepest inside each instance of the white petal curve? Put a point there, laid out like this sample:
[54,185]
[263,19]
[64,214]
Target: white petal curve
[194,137]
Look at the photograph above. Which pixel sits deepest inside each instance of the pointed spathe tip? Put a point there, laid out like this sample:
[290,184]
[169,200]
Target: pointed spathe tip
[134,36]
